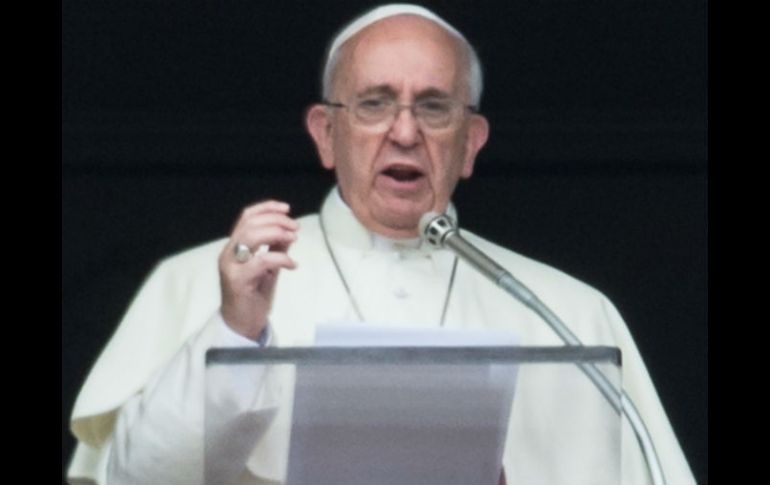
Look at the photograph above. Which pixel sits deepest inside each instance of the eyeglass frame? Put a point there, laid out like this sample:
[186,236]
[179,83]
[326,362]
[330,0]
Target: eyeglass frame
[398,107]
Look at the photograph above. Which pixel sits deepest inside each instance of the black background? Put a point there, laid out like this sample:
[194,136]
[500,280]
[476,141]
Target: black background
[177,114]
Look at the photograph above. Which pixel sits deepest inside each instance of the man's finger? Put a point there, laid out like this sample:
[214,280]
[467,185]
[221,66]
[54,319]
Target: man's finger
[257,221]
[256,238]
[270,261]
[266,207]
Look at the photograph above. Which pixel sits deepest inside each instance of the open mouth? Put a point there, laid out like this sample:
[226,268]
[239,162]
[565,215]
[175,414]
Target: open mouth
[403,174]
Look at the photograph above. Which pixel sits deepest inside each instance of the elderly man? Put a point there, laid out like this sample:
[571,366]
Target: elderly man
[399,126]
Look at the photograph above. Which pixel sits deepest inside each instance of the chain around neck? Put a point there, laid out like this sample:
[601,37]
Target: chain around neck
[352,299]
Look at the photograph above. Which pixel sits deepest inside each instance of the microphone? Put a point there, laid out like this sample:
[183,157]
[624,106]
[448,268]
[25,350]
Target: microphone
[440,230]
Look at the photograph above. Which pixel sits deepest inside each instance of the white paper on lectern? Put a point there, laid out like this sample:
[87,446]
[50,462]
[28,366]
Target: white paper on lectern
[360,335]
[388,424]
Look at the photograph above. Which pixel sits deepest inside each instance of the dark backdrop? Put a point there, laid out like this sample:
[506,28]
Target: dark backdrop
[177,114]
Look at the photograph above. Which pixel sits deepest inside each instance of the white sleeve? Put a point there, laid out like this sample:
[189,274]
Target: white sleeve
[641,390]
[159,434]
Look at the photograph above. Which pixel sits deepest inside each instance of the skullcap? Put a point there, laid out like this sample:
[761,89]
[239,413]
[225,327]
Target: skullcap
[381,13]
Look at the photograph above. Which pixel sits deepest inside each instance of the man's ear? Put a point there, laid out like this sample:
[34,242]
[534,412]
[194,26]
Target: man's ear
[478,133]
[319,124]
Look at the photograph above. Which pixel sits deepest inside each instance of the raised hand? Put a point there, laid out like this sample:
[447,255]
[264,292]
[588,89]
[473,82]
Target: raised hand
[248,277]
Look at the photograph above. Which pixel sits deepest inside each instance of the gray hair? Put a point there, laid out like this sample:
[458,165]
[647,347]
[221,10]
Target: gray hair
[475,80]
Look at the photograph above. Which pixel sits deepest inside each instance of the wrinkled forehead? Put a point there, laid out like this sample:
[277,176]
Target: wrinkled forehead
[405,45]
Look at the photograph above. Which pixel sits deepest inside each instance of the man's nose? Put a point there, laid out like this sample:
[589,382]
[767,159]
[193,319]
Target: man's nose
[405,129]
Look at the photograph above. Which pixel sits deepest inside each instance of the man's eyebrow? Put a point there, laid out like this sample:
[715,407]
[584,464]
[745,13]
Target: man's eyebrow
[387,90]
[432,93]
[380,89]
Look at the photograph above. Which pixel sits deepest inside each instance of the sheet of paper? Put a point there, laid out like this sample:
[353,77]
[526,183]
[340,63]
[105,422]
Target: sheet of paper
[367,335]
[396,423]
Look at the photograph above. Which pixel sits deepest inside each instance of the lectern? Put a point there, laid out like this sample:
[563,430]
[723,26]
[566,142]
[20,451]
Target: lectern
[411,415]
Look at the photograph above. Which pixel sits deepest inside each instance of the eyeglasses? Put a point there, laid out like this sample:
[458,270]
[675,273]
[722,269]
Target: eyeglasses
[431,113]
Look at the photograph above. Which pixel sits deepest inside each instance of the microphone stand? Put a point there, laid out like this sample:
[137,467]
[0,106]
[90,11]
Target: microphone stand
[440,231]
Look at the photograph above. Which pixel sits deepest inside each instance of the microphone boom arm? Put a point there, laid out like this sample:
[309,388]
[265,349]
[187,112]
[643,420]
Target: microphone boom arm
[440,231]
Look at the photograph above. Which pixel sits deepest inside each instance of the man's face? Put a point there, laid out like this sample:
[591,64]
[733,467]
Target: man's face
[390,175]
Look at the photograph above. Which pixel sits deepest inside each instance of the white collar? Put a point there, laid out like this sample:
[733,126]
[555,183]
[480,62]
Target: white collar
[344,228]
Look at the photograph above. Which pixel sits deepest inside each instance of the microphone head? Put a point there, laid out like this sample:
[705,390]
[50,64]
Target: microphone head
[435,227]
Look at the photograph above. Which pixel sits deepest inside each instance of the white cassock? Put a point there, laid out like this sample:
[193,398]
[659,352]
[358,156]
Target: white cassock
[139,416]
